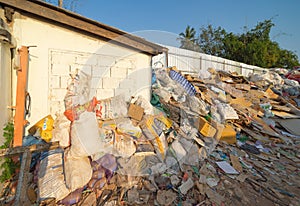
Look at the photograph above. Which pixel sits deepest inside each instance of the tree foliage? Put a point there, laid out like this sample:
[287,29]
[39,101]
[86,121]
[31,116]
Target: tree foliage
[188,39]
[253,47]
[7,167]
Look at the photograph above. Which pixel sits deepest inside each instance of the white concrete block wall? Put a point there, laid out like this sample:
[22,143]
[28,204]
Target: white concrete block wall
[112,67]
[109,77]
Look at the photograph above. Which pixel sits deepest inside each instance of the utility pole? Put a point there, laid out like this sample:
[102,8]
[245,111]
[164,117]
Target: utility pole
[60,3]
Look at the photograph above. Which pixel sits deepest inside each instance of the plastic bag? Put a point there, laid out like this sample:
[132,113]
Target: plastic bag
[78,171]
[51,182]
[153,126]
[85,136]
[123,146]
[72,198]
[226,111]
[126,127]
[113,108]
[78,90]
[148,108]
[61,131]
[44,127]
[160,145]
[74,113]
[267,109]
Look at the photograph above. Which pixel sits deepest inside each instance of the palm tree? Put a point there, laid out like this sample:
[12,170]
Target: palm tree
[188,39]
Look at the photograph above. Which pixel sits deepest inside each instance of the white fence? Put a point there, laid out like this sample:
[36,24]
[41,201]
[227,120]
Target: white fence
[195,62]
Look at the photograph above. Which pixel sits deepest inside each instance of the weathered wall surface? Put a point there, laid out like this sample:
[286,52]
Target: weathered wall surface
[59,51]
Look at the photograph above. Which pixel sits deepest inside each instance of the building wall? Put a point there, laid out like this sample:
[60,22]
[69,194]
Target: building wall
[5,86]
[5,78]
[59,51]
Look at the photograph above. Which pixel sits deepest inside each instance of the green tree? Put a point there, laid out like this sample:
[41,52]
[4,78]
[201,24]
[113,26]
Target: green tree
[253,47]
[211,40]
[188,39]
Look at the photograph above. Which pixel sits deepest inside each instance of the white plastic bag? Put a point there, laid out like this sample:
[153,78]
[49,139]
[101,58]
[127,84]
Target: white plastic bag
[78,171]
[113,108]
[123,146]
[61,131]
[85,136]
[78,90]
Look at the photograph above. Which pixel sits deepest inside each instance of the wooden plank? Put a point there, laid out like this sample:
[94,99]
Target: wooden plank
[21,192]
[20,98]
[291,125]
[33,148]
[285,115]
[70,19]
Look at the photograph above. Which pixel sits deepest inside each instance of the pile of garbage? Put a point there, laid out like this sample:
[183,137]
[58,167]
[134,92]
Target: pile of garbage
[225,140]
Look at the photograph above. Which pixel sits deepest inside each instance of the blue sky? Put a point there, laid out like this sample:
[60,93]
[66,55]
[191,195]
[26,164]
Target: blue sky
[173,16]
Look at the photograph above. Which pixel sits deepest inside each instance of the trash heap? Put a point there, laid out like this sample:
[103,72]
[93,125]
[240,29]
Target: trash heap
[225,140]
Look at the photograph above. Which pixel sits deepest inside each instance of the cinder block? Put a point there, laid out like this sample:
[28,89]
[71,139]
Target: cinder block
[101,71]
[62,58]
[125,92]
[86,59]
[60,69]
[118,72]
[82,67]
[125,63]
[57,94]
[105,93]
[96,83]
[106,61]
[127,84]
[110,83]
[93,93]
[57,107]
[130,71]
[64,81]
[54,82]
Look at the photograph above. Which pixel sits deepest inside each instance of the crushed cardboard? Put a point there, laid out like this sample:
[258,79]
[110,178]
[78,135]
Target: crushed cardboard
[196,159]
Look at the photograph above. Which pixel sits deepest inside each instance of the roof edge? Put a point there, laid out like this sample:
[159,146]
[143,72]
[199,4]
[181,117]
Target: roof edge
[74,20]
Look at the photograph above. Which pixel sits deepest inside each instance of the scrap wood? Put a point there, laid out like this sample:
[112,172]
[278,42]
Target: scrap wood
[253,134]
[21,197]
[270,94]
[33,148]
[281,108]
[285,115]
[267,192]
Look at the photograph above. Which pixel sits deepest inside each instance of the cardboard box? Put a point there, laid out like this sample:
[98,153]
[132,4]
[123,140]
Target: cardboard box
[135,112]
[246,87]
[228,135]
[205,128]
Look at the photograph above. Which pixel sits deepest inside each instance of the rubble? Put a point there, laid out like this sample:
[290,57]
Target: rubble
[224,140]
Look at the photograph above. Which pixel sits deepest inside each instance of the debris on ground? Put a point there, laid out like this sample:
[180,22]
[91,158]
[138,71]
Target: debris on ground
[225,140]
